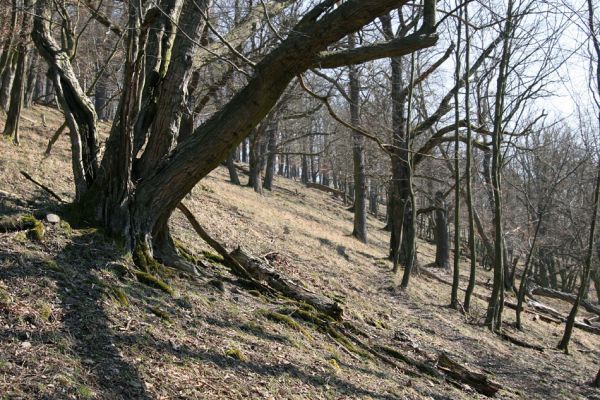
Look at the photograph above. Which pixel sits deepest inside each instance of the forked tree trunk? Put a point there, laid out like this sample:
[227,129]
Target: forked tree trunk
[77,107]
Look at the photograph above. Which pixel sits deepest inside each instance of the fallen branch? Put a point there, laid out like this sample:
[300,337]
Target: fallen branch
[41,185]
[571,298]
[327,189]
[263,272]
[256,271]
[520,342]
[231,262]
[478,381]
[555,316]
[54,138]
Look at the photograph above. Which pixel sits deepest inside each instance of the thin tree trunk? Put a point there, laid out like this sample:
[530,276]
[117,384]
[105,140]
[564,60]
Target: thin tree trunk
[358,153]
[468,168]
[271,148]
[11,128]
[587,267]
[457,245]
[496,304]
[442,247]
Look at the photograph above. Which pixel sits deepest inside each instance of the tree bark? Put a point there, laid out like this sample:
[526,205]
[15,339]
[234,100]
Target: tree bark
[271,149]
[11,127]
[442,240]
[358,153]
[233,174]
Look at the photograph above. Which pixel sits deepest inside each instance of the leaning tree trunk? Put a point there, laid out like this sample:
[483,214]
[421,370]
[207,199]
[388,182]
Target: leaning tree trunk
[77,107]
[139,209]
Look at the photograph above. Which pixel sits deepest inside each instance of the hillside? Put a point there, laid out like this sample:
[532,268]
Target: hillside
[73,326]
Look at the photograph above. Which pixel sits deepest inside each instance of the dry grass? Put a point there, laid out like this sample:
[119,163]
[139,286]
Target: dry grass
[65,334]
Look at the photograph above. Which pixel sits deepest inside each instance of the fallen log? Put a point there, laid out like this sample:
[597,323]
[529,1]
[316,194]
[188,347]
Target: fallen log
[478,381]
[17,223]
[554,315]
[571,298]
[263,272]
[257,271]
[327,189]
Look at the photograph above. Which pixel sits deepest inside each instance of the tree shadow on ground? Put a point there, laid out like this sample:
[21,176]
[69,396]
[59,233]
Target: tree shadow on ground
[84,320]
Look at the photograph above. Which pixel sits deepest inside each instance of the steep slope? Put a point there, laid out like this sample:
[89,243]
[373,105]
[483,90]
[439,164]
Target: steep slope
[75,322]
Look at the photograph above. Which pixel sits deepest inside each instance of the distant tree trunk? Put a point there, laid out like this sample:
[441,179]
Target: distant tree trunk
[233,174]
[358,153]
[32,77]
[468,169]
[304,173]
[271,148]
[281,165]
[7,80]
[457,244]
[245,156]
[100,99]
[40,84]
[442,239]
[374,201]
[11,127]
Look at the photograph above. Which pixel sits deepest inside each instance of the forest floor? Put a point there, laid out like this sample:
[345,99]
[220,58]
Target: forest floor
[72,327]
